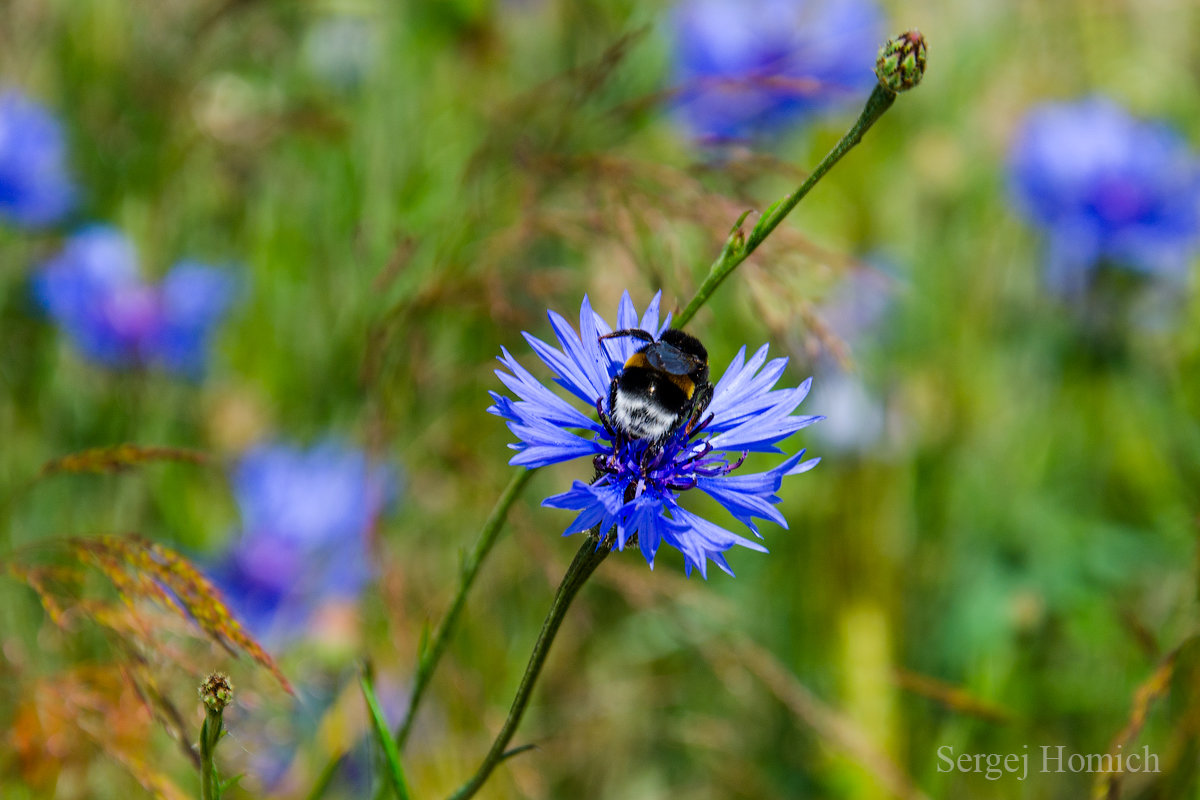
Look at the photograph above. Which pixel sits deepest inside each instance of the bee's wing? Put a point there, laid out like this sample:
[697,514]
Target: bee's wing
[669,359]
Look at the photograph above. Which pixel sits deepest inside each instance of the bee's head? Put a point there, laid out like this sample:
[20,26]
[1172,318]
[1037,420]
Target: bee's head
[690,346]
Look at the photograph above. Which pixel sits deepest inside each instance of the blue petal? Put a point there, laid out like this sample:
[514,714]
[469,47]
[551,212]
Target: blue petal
[626,313]
[570,376]
[594,360]
[752,495]
[619,350]
[729,388]
[540,401]
[645,516]
[598,504]
[650,318]
[804,466]
[702,539]
[742,505]
[750,396]
[760,432]
[761,435]
[542,444]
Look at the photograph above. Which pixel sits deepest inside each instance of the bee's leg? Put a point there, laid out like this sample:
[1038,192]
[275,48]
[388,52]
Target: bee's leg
[604,419]
[704,395]
[602,462]
[695,427]
[650,456]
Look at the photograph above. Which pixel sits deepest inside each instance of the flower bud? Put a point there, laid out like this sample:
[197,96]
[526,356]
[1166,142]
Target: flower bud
[901,62]
[216,692]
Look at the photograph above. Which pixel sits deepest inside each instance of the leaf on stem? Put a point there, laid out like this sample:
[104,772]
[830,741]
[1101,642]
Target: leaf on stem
[391,754]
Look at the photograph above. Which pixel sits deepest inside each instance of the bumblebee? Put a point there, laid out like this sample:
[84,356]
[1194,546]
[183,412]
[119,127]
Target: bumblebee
[662,387]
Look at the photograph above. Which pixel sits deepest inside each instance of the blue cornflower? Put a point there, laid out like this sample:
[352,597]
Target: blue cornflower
[92,289]
[36,188]
[1107,188]
[638,485]
[306,521]
[749,67]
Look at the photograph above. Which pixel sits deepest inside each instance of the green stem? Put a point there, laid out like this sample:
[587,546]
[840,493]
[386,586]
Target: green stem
[324,779]
[737,248]
[431,654]
[210,734]
[590,555]
[470,568]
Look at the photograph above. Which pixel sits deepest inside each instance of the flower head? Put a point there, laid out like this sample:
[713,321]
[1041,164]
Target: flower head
[35,184]
[900,64]
[216,692]
[748,67]
[1107,188]
[306,519]
[93,291]
[638,483]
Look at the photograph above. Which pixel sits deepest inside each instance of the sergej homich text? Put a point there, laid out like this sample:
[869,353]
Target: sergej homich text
[1051,758]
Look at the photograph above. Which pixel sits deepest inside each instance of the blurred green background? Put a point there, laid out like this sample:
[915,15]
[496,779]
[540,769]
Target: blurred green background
[1003,567]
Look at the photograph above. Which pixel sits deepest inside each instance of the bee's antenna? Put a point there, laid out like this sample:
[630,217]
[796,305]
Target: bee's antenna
[636,333]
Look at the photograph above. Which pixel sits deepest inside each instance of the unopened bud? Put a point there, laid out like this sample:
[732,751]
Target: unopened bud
[216,692]
[901,62]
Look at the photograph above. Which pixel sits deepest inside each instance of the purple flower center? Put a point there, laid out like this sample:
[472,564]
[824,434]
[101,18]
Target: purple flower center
[1121,200]
[673,466]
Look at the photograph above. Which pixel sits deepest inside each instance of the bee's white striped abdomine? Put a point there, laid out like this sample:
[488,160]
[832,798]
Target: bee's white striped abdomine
[641,417]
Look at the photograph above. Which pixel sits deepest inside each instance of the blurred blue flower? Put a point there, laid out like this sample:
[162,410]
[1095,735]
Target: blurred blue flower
[306,521]
[853,313]
[35,184]
[341,49]
[857,417]
[637,489]
[857,306]
[1106,187]
[749,67]
[92,289]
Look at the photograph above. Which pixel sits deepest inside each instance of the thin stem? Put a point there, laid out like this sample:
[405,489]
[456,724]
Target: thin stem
[431,654]
[737,248]
[325,778]
[470,568]
[593,551]
[210,734]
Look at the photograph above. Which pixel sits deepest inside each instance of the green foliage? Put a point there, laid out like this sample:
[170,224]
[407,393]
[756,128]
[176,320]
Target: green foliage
[383,737]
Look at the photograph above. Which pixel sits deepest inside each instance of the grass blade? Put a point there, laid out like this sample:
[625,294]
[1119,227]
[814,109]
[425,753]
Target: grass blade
[391,754]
